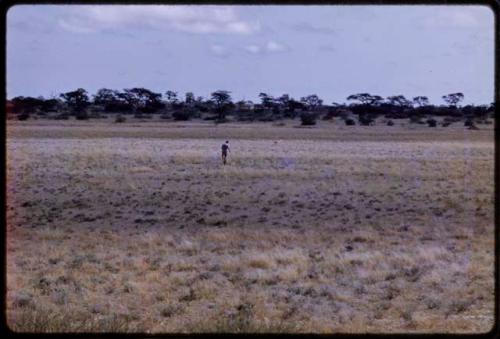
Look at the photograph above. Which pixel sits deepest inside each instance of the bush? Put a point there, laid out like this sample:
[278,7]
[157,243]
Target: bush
[349,122]
[82,116]
[165,116]
[181,115]
[94,115]
[62,116]
[267,118]
[366,119]
[120,118]
[23,116]
[390,123]
[431,122]
[468,123]
[308,119]
[447,121]
[415,119]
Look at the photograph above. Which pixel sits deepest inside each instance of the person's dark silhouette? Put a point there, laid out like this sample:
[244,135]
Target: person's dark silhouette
[225,149]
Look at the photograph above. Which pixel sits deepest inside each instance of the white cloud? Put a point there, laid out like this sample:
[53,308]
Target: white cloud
[269,47]
[273,46]
[191,19]
[219,50]
[254,49]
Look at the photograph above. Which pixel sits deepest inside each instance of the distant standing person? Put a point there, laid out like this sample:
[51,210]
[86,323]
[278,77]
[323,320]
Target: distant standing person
[225,149]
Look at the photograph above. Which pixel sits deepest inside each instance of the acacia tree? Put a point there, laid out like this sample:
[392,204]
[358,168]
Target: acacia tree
[366,108]
[104,96]
[421,101]
[399,100]
[189,99]
[143,99]
[366,98]
[171,97]
[453,99]
[78,101]
[266,100]
[222,100]
[312,102]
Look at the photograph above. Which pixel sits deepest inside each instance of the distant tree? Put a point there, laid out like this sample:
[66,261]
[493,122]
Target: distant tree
[293,106]
[78,101]
[189,100]
[128,100]
[367,108]
[26,105]
[284,100]
[267,100]
[453,99]
[333,110]
[50,105]
[491,109]
[312,102]
[105,96]
[421,101]
[222,101]
[171,97]
[366,98]
[114,101]
[399,100]
[144,100]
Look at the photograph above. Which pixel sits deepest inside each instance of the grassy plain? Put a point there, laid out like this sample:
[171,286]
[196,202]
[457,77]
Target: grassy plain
[138,227]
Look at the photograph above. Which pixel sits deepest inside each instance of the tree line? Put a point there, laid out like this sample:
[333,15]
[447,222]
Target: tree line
[143,103]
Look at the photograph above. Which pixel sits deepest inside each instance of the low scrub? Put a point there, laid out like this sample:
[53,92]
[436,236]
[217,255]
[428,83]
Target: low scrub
[120,118]
[308,119]
[431,122]
[349,122]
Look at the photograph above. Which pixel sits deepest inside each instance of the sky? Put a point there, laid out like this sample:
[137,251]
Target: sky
[332,51]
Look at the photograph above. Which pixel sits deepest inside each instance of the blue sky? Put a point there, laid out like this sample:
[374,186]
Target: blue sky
[331,51]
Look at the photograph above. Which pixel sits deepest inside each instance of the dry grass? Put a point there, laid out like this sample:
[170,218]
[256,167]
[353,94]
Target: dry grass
[320,235]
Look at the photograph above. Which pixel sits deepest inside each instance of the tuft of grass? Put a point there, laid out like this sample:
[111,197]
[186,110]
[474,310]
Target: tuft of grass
[44,320]
[243,321]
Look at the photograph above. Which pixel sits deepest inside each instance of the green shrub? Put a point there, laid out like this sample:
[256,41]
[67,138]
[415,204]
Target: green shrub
[82,116]
[350,122]
[120,118]
[308,119]
[431,122]
[181,115]
[23,116]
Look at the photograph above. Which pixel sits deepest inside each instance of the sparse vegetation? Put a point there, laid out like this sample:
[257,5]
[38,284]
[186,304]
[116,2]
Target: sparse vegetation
[326,229]
[145,104]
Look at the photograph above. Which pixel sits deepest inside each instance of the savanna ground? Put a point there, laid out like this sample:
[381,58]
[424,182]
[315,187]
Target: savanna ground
[138,227]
